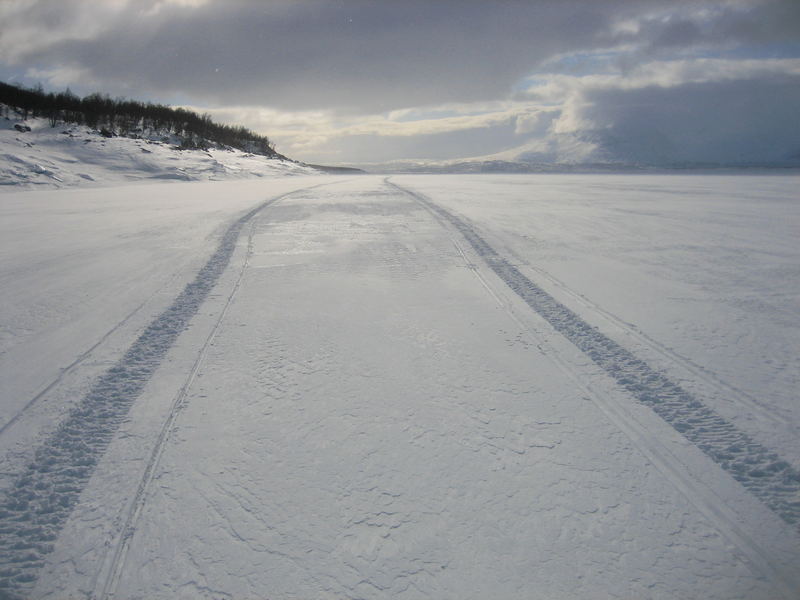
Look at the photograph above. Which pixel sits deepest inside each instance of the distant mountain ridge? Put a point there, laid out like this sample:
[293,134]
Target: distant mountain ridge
[597,151]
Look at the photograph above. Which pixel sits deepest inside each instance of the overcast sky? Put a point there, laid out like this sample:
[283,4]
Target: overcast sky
[354,81]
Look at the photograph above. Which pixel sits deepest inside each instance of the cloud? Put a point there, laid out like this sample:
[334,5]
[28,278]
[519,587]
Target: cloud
[714,122]
[37,28]
[535,120]
[349,79]
[357,55]
[372,148]
[680,111]
[557,88]
[690,26]
[307,131]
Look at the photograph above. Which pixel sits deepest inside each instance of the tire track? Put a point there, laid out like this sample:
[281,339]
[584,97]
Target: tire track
[770,562]
[78,360]
[42,496]
[115,569]
[745,400]
[760,470]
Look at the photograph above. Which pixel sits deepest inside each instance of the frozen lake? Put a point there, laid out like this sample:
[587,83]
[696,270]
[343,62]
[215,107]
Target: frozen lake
[420,386]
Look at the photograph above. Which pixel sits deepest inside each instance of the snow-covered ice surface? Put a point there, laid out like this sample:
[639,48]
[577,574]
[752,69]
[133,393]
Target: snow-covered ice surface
[83,273]
[760,469]
[380,392]
[76,263]
[700,275]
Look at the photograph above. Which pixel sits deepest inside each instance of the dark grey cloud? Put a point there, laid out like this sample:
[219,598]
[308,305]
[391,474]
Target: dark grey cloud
[361,55]
[720,26]
[768,21]
[753,121]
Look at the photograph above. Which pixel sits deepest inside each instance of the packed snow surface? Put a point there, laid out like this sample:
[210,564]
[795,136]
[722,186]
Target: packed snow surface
[538,386]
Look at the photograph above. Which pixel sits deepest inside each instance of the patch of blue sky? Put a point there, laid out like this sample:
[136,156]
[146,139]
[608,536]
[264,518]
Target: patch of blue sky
[575,64]
[581,63]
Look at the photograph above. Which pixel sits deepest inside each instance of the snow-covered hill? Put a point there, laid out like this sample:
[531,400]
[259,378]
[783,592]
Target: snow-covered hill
[69,155]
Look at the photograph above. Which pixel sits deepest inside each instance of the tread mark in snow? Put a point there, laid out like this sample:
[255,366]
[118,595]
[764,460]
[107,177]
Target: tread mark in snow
[42,496]
[738,395]
[117,564]
[75,363]
[765,474]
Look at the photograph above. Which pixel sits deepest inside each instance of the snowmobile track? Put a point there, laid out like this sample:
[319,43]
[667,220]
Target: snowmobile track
[41,497]
[71,367]
[762,472]
[117,563]
[745,400]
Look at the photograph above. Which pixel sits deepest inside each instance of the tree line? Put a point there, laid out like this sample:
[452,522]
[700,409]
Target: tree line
[131,118]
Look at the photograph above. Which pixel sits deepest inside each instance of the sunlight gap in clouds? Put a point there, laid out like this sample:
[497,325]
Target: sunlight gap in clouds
[545,104]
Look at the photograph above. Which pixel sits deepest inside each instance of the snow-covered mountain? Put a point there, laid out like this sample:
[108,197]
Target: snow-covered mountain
[648,147]
[35,154]
[602,150]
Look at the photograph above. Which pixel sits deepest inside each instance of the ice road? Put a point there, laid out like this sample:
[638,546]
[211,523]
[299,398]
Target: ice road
[408,387]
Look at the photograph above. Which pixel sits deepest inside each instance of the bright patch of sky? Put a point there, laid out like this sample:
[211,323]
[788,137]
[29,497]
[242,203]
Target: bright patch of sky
[580,63]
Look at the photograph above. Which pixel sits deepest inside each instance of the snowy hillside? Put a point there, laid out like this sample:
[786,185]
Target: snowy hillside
[69,155]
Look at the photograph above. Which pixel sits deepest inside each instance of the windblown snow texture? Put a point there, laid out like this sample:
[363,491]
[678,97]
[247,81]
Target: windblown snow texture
[40,499]
[764,473]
